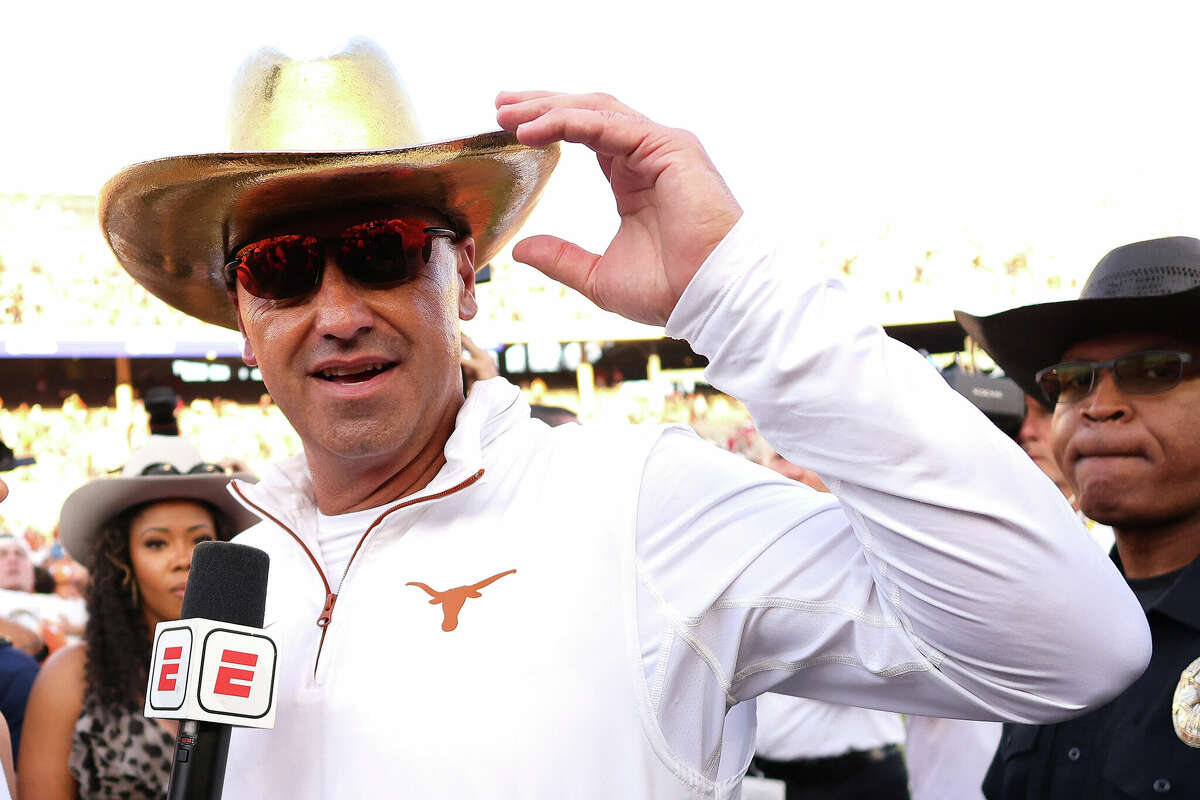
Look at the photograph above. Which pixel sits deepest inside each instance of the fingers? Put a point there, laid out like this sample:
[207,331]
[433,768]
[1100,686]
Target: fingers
[3,490]
[510,98]
[523,106]
[599,121]
[470,345]
[480,363]
[558,259]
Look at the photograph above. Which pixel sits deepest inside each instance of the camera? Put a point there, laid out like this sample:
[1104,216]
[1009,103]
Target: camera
[999,398]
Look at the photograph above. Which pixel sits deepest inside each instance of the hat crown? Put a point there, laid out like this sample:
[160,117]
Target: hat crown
[348,102]
[1146,269]
[174,450]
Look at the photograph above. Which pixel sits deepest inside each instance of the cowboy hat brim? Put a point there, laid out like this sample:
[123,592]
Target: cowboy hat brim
[90,507]
[172,223]
[1027,339]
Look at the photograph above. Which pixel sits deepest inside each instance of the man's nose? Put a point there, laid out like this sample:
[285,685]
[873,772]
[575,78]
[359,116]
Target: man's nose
[1106,402]
[341,312]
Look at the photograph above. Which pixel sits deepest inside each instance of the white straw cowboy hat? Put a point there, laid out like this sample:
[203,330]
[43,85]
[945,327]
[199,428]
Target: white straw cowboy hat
[89,508]
[329,133]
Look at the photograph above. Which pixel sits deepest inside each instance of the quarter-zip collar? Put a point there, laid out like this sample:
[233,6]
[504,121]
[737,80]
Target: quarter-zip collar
[286,493]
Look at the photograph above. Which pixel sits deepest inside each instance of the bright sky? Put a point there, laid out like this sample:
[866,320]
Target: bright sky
[1064,129]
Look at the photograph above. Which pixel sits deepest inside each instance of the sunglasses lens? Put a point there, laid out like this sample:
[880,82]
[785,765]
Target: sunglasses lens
[1147,373]
[207,468]
[280,267]
[1067,383]
[384,251]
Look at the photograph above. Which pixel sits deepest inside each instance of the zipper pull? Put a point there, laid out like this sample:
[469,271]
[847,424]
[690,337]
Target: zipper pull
[327,612]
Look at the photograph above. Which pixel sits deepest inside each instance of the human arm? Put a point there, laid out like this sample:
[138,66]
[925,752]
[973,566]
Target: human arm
[946,577]
[54,707]
[951,578]
[6,759]
[477,363]
[27,641]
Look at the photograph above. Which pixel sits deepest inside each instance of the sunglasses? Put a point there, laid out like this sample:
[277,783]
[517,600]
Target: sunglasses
[167,468]
[1148,372]
[375,253]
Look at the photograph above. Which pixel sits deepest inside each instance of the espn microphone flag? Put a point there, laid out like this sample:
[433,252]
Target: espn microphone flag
[217,664]
[213,672]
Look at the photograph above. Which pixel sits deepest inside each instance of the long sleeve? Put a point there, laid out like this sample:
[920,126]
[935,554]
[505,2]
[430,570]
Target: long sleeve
[947,576]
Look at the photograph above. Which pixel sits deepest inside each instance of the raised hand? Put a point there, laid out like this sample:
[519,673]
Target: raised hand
[674,206]
[477,363]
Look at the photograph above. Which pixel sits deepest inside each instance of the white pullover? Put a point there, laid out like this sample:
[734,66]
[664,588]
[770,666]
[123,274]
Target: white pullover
[589,611]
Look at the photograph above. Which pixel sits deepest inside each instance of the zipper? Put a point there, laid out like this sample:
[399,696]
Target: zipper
[331,597]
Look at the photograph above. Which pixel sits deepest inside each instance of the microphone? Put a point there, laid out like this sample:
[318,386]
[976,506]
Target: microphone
[215,666]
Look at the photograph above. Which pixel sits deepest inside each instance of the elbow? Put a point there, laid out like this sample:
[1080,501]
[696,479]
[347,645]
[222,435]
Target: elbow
[1097,671]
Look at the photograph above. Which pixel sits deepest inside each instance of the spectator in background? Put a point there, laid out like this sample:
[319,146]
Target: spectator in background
[1120,367]
[16,564]
[86,734]
[1034,438]
[477,364]
[41,621]
[17,672]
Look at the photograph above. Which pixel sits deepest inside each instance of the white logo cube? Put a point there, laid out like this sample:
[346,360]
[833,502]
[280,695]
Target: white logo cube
[237,673]
[169,669]
[213,672]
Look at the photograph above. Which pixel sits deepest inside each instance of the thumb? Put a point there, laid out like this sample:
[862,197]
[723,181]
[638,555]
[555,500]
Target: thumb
[558,259]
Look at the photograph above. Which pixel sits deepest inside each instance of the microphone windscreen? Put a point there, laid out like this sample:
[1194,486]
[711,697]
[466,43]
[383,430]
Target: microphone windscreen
[227,583]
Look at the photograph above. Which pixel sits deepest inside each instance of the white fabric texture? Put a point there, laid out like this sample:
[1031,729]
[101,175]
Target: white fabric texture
[338,535]
[792,728]
[660,582]
[947,758]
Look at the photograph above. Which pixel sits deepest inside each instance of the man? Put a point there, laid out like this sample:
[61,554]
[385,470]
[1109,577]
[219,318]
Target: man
[469,603]
[1119,367]
[1034,438]
[16,566]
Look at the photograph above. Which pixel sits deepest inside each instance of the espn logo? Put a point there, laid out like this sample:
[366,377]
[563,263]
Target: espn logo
[213,671]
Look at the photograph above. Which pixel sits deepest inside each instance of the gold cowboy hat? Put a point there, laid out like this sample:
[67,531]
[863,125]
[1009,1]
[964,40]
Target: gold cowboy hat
[309,135]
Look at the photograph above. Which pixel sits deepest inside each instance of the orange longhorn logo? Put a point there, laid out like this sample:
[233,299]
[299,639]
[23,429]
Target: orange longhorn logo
[452,600]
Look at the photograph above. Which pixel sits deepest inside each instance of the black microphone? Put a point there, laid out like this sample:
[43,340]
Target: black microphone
[227,583]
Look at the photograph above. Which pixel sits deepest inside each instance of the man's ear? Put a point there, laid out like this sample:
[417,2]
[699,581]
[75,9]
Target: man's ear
[247,351]
[467,306]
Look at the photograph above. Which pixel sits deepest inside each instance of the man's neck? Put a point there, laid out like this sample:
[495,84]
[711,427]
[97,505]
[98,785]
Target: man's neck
[1156,550]
[344,485]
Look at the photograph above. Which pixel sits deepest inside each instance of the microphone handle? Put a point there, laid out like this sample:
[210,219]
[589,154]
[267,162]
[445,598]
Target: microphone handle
[198,771]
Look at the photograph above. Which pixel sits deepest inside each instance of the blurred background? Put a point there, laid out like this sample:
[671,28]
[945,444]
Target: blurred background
[929,155]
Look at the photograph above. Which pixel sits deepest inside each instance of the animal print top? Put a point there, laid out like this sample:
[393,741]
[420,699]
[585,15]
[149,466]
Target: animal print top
[119,754]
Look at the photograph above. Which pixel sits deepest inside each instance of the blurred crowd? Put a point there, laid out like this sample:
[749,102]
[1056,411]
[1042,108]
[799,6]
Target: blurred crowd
[55,267]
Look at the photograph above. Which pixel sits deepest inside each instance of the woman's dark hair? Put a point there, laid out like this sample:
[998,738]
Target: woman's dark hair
[117,639]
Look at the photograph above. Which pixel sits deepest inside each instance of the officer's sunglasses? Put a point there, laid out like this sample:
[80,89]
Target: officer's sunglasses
[1147,372]
[375,253]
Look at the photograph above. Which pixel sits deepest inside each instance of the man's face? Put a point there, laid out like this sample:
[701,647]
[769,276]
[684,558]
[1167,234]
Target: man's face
[1034,438]
[362,371]
[1134,459]
[16,570]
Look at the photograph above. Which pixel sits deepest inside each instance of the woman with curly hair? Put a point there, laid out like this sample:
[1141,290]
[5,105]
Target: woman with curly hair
[85,735]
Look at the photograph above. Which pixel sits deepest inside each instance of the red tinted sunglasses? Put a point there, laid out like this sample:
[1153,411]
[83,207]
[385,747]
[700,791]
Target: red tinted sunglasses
[374,253]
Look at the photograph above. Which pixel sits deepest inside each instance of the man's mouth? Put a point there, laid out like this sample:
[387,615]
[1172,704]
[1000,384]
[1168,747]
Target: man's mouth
[358,373]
